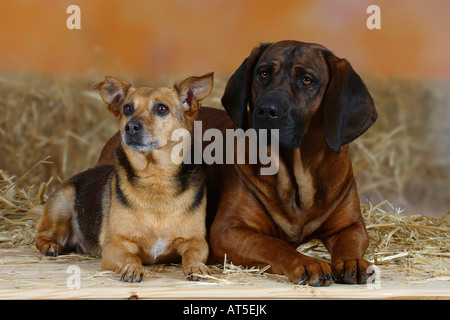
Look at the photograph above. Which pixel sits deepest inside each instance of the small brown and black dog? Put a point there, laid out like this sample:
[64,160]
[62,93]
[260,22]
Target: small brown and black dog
[145,208]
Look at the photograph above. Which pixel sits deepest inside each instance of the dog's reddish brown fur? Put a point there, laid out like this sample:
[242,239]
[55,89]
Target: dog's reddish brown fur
[260,220]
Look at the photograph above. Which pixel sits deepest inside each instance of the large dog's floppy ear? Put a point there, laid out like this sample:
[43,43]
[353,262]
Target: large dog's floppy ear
[238,90]
[348,107]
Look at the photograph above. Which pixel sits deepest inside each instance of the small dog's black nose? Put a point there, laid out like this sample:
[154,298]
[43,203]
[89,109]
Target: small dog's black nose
[133,127]
[268,112]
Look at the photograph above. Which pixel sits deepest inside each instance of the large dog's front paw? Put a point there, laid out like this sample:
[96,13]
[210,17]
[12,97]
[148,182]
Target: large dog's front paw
[353,271]
[311,272]
[132,273]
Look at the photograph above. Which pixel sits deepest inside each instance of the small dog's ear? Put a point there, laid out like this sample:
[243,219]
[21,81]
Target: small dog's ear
[349,109]
[238,90]
[113,92]
[193,90]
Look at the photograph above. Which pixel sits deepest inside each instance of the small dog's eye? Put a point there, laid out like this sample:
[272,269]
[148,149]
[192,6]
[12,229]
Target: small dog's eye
[307,81]
[128,109]
[161,109]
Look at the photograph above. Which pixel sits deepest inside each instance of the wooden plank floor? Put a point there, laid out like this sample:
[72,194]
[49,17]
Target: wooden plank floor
[26,274]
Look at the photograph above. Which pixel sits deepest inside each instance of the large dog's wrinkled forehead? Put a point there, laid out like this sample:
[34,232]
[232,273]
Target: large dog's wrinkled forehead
[288,47]
[294,54]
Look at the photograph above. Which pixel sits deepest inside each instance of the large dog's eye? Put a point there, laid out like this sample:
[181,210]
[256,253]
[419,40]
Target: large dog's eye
[307,81]
[128,109]
[264,75]
[161,109]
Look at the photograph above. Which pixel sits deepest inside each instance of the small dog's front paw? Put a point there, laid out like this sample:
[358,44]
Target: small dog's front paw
[132,273]
[196,272]
[49,248]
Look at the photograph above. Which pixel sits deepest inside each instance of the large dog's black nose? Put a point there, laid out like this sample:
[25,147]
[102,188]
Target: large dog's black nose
[133,127]
[268,112]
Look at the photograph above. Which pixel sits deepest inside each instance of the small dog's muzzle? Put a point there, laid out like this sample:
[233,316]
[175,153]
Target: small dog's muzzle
[132,128]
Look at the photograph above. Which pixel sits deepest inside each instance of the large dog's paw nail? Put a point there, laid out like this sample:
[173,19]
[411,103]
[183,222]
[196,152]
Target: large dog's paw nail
[303,280]
[326,280]
[352,271]
[315,283]
[313,273]
[351,277]
[362,277]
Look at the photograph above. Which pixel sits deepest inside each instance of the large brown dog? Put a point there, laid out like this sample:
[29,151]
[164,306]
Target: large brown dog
[319,104]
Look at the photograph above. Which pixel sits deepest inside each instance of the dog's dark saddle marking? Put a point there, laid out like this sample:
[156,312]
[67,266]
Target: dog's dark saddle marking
[90,187]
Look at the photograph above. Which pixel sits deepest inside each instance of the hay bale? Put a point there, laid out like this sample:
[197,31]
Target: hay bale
[403,158]
[53,127]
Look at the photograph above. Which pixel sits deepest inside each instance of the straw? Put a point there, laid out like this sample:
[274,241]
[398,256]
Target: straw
[54,127]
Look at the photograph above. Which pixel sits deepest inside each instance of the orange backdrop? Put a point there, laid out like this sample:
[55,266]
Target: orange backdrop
[155,39]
